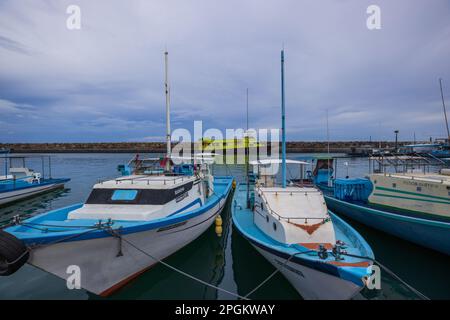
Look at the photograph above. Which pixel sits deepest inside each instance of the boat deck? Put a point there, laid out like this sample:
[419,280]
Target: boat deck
[54,225]
[243,219]
[287,200]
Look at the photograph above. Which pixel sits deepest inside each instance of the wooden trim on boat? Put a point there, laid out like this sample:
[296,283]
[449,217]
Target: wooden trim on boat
[350,264]
[315,245]
[122,283]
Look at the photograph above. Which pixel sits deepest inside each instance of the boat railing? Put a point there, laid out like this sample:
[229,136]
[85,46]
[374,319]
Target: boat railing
[424,179]
[144,180]
[279,216]
[404,163]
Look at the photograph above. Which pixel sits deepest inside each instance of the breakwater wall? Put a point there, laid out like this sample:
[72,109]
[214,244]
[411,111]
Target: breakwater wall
[348,147]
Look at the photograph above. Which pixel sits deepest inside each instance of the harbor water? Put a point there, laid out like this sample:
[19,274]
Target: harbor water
[228,261]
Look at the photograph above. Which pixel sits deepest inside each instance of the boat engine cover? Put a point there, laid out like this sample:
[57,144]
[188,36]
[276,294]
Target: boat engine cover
[13,253]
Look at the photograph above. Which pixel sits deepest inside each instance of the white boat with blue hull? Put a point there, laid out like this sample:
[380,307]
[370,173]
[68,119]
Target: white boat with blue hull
[318,253]
[20,182]
[123,228]
[309,247]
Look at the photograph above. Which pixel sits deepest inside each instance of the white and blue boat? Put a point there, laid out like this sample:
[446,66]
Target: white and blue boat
[126,225]
[289,224]
[20,182]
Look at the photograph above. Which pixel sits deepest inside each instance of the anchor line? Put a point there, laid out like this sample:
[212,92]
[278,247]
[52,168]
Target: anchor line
[107,228]
[174,268]
[392,273]
[276,271]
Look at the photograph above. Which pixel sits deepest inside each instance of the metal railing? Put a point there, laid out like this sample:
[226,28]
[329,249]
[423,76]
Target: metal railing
[145,180]
[273,212]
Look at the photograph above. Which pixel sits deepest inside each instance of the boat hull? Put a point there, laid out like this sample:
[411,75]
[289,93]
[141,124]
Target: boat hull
[311,284]
[20,194]
[103,270]
[428,233]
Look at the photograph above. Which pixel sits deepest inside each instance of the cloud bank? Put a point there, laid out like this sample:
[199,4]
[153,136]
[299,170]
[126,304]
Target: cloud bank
[104,82]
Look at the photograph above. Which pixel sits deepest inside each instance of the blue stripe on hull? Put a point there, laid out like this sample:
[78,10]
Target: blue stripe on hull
[35,185]
[31,237]
[427,233]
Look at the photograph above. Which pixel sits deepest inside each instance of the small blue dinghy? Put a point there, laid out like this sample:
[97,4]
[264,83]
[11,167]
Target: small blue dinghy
[20,182]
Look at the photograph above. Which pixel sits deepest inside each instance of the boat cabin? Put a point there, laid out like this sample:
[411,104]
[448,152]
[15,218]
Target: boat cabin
[150,192]
[291,215]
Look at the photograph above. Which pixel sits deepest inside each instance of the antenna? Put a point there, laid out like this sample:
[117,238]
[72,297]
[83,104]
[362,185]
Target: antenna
[379,132]
[167,90]
[247,110]
[445,111]
[283,126]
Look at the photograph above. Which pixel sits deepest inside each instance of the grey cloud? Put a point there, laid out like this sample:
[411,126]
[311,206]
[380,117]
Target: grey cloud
[107,78]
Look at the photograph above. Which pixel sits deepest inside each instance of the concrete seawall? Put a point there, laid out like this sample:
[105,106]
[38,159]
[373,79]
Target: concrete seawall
[159,147]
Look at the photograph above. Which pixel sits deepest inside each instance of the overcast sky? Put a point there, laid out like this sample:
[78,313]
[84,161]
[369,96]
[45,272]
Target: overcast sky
[104,82]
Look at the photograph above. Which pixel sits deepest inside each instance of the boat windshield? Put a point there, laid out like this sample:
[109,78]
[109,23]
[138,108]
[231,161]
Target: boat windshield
[138,196]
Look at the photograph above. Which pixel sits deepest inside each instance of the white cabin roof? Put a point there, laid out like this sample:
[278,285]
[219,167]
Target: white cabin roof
[295,202]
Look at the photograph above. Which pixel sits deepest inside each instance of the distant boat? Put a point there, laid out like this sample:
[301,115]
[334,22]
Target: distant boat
[126,225]
[437,150]
[20,182]
[411,205]
[292,228]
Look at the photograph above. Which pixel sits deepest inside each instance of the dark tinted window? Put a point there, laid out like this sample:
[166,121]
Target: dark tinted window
[141,196]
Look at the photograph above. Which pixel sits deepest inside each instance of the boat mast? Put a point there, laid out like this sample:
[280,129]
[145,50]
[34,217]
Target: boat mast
[445,111]
[283,126]
[328,153]
[167,89]
[247,158]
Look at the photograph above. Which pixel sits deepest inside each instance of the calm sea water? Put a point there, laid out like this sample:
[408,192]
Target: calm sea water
[228,261]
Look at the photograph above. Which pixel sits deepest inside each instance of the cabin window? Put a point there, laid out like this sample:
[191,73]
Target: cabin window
[394,185]
[419,189]
[137,196]
[262,206]
[267,219]
[124,195]
[274,226]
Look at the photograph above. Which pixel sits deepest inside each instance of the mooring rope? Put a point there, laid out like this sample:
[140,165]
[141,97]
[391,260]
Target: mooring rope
[107,228]
[174,268]
[276,271]
[392,273]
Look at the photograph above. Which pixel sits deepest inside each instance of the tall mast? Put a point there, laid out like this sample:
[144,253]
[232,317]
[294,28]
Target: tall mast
[445,111]
[328,152]
[167,89]
[247,158]
[283,125]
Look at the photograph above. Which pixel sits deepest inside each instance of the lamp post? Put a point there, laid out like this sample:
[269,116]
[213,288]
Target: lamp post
[396,140]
